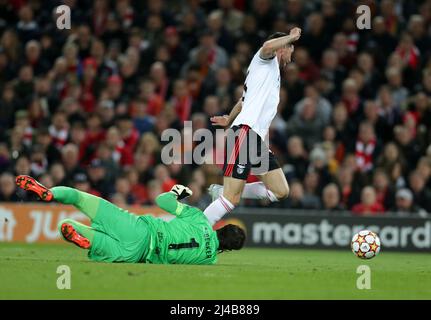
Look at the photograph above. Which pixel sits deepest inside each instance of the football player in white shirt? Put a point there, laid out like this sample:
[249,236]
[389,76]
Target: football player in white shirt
[247,147]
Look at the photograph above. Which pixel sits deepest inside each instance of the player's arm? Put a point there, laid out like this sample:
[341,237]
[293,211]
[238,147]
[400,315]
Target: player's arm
[271,46]
[168,201]
[226,120]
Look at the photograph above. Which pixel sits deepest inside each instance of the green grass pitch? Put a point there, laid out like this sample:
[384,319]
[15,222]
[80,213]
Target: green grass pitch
[29,272]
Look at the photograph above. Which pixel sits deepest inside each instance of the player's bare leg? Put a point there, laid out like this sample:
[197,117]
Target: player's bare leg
[232,189]
[227,201]
[275,181]
[273,187]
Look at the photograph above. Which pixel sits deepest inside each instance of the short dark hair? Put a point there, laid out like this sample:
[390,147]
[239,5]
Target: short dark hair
[230,237]
[276,35]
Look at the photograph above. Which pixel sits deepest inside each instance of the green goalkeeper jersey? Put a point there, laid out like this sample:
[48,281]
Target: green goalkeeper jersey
[186,239]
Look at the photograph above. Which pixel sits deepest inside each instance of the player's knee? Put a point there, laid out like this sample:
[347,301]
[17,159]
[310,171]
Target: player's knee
[282,193]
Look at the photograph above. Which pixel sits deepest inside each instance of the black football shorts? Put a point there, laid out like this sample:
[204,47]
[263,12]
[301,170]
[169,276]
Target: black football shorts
[245,153]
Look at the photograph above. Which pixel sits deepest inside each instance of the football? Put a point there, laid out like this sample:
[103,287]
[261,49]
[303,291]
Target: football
[366,244]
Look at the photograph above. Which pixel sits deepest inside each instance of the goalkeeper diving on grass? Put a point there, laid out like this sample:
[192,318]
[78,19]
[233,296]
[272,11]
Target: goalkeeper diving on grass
[116,235]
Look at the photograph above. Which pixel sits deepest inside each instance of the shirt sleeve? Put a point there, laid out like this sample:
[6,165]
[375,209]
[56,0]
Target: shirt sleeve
[168,202]
[261,60]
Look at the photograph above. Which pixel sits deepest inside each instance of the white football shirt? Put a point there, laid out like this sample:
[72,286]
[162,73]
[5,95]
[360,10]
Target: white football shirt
[261,95]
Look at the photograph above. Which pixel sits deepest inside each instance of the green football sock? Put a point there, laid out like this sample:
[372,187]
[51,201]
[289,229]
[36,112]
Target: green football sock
[85,202]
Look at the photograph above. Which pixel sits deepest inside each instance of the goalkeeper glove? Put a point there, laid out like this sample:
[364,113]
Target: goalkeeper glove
[181,191]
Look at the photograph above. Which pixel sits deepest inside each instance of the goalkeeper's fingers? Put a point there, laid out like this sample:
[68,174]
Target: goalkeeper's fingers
[181,191]
[188,190]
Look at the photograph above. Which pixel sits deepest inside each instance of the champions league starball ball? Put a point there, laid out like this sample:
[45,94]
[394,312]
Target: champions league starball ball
[366,244]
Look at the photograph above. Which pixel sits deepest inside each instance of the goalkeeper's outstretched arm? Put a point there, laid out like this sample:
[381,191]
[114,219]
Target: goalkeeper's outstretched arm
[168,201]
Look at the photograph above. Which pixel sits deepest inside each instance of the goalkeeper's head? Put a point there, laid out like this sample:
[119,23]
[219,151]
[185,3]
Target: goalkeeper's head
[230,237]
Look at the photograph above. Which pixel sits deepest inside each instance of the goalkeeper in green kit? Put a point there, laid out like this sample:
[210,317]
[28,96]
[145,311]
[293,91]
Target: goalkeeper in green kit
[117,235]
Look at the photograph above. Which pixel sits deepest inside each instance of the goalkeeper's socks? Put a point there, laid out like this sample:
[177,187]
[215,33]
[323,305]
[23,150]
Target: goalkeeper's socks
[66,195]
[216,210]
[87,203]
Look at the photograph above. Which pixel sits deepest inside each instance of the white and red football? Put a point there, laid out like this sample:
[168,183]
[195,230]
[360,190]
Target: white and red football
[366,244]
